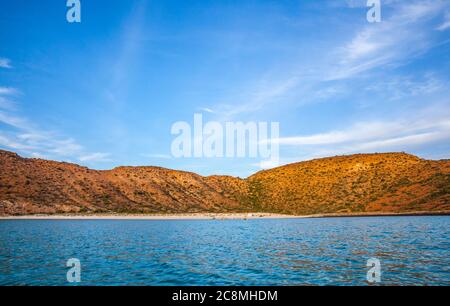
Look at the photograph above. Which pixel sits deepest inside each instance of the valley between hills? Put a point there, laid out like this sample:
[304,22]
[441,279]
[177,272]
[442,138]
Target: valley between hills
[382,183]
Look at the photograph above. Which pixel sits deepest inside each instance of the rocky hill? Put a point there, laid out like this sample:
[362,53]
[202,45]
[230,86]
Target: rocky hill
[391,182]
[394,182]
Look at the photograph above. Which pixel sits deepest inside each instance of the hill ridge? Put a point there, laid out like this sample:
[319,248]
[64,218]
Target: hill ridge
[367,182]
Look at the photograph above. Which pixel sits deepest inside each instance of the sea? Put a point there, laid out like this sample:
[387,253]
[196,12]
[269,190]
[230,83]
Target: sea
[344,251]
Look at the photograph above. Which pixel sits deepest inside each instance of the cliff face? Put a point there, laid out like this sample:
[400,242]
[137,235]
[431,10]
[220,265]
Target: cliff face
[392,182]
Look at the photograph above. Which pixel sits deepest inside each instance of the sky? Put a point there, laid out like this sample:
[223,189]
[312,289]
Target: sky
[105,92]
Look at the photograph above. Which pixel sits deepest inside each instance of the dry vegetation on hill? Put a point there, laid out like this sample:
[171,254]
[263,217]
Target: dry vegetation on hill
[393,182]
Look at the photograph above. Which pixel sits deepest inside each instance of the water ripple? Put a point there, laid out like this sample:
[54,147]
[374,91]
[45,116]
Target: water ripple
[330,251]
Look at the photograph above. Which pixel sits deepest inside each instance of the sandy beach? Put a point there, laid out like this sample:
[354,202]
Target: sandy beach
[216,216]
[192,216]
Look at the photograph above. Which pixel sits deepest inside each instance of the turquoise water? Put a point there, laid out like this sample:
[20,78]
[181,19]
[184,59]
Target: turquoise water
[330,251]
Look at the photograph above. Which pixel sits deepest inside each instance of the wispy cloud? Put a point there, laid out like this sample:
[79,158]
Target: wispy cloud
[6,103]
[206,110]
[396,39]
[366,132]
[65,147]
[5,97]
[8,91]
[446,24]
[9,143]
[402,87]
[20,134]
[5,63]
[404,34]
[14,121]
[130,44]
[29,139]
[264,93]
[95,157]
[374,136]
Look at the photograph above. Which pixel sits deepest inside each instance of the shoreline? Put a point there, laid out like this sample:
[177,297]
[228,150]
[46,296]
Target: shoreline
[218,216]
[181,216]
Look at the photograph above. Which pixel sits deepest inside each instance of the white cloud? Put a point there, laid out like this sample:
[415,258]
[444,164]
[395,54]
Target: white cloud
[6,104]
[31,140]
[397,39]
[13,121]
[44,144]
[376,136]
[95,157]
[402,87]
[405,33]
[38,155]
[7,142]
[396,144]
[207,110]
[8,91]
[268,164]
[409,140]
[367,131]
[360,131]
[24,136]
[5,63]
[264,93]
[65,147]
[446,24]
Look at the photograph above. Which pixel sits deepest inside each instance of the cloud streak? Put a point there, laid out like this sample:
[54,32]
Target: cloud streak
[262,95]
[20,134]
[5,63]
[95,157]
[446,24]
[373,136]
[395,40]
[8,91]
[402,36]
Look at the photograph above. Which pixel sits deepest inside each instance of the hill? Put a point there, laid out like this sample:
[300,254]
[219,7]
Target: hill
[392,182]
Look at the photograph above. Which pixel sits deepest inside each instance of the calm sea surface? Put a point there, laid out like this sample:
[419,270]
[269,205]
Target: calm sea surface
[331,251]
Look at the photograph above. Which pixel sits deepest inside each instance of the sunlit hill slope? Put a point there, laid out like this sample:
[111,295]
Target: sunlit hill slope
[391,182]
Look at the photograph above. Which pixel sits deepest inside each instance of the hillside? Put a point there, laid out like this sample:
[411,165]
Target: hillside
[391,182]
[29,186]
[394,182]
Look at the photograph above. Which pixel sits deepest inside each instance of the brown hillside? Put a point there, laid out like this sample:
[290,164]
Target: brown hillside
[392,182]
[30,186]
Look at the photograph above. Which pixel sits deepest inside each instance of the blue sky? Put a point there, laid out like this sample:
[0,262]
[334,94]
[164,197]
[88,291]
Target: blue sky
[106,92]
